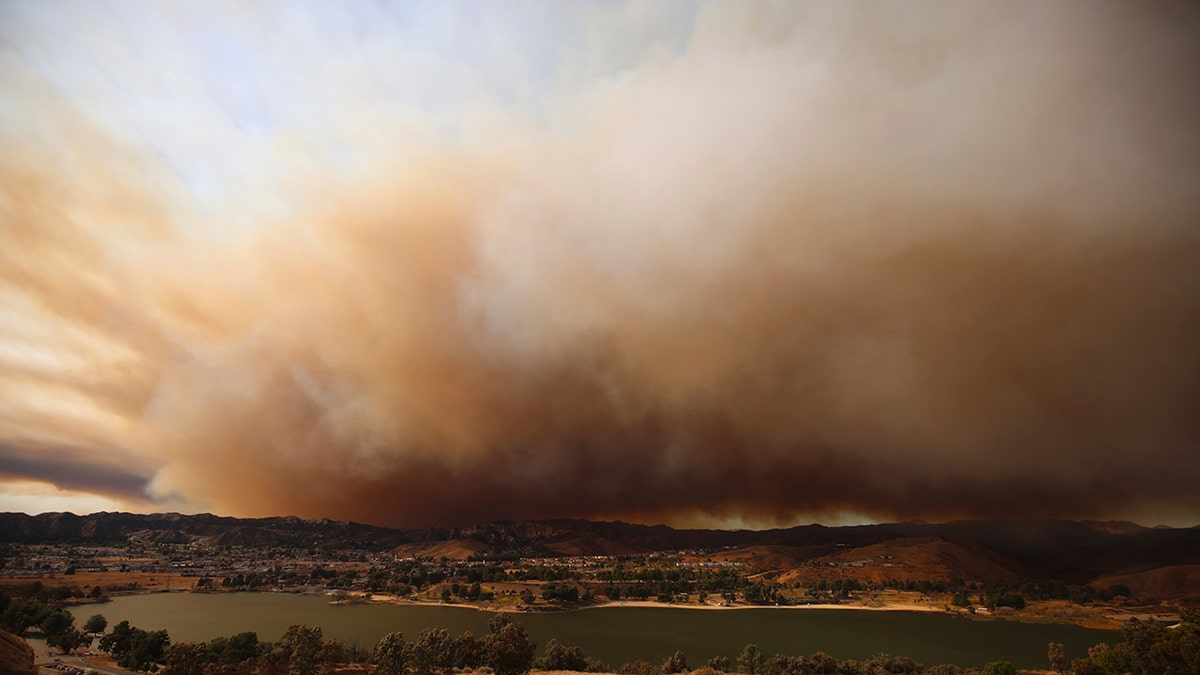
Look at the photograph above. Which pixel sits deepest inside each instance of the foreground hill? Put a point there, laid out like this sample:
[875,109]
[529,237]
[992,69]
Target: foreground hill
[1073,552]
[16,657]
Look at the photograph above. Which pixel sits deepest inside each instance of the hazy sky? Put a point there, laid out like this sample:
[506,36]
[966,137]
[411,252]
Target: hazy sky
[728,263]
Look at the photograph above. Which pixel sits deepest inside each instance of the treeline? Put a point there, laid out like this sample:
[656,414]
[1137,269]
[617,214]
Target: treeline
[302,650]
[1149,648]
[507,650]
[18,615]
[401,579]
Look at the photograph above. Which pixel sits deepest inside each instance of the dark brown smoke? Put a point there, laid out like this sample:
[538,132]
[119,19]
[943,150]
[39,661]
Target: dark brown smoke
[826,261]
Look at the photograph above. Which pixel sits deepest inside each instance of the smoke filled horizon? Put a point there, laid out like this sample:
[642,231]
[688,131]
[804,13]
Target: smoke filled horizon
[747,265]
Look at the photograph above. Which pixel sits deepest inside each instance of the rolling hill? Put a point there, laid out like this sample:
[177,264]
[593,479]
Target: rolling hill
[1067,551]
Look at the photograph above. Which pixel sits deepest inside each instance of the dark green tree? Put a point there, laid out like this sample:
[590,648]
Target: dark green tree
[146,648]
[301,645]
[238,648]
[946,669]
[509,649]
[96,623]
[1057,654]
[896,665]
[67,640]
[469,652]
[720,664]
[20,614]
[335,652]
[784,664]
[56,620]
[118,640]
[187,658]
[751,660]
[390,654]
[822,664]
[638,667]
[999,668]
[431,653]
[559,657]
[675,663]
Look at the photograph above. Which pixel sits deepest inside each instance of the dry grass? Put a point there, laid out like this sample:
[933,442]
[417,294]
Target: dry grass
[153,581]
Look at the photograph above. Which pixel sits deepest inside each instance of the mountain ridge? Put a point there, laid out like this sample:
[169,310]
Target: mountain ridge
[1071,551]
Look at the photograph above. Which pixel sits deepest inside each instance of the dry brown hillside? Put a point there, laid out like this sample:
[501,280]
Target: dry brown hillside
[909,559]
[453,549]
[771,560]
[1175,582]
[16,656]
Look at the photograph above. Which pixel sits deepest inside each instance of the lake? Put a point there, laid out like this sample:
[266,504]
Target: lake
[617,635]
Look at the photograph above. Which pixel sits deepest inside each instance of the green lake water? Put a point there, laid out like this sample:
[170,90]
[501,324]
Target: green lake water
[616,635]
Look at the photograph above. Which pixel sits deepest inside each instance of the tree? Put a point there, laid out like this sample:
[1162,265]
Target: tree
[1057,654]
[675,663]
[67,640]
[302,646]
[389,654]
[946,669]
[719,663]
[118,640]
[59,627]
[431,653]
[186,658]
[469,652]
[334,652]
[785,664]
[887,663]
[558,657]
[1117,660]
[823,664]
[751,660]
[638,667]
[19,615]
[96,624]
[999,668]
[238,648]
[56,620]
[509,649]
[145,649]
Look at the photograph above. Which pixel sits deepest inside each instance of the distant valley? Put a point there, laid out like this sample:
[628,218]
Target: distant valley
[1154,563]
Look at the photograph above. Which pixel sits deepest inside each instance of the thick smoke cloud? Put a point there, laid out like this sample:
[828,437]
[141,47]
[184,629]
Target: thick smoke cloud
[932,263]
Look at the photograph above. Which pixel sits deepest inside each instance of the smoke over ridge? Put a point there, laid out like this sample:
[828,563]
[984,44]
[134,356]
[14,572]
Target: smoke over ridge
[933,263]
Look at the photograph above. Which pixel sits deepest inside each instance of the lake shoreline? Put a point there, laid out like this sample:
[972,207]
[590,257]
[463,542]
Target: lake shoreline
[886,607]
[646,631]
[1098,620]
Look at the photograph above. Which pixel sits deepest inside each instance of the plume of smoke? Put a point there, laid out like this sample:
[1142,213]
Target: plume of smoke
[938,264]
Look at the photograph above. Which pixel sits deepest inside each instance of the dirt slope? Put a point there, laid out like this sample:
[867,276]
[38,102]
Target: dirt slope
[1175,582]
[16,656]
[910,559]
